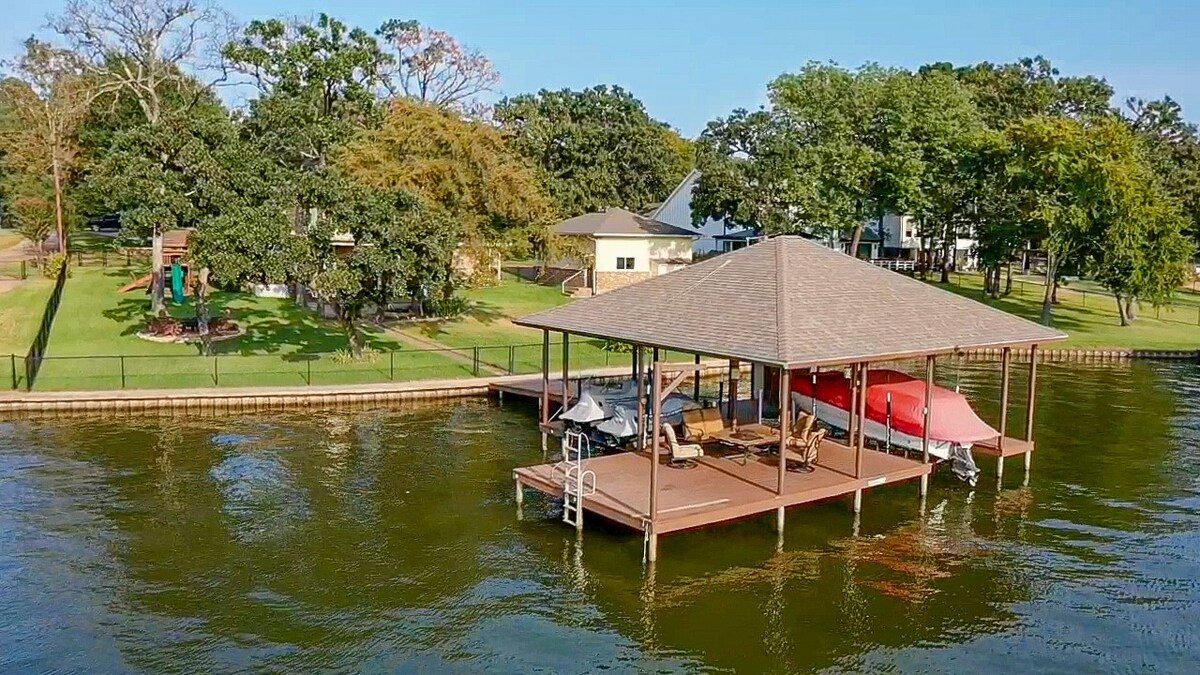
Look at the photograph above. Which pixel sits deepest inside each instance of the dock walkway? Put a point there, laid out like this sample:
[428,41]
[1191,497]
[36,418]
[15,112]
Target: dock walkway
[717,488]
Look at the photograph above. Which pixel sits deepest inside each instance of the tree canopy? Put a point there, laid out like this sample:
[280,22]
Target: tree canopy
[595,148]
[1014,155]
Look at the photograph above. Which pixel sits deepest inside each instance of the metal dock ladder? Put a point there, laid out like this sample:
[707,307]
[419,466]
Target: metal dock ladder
[578,482]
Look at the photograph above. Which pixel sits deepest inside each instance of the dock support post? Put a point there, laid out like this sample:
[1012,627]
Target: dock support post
[735,374]
[520,492]
[1005,357]
[785,419]
[545,384]
[779,517]
[853,411]
[651,545]
[858,500]
[696,382]
[640,360]
[1029,412]
[566,370]
[862,421]
[925,423]
[655,433]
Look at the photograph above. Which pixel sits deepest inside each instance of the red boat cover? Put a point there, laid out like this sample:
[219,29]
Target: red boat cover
[953,419]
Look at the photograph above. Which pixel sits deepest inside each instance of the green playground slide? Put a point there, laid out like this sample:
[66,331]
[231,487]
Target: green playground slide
[177,294]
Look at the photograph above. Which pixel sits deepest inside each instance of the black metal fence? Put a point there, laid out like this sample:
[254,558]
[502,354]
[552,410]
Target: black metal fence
[37,350]
[16,269]
[234,369]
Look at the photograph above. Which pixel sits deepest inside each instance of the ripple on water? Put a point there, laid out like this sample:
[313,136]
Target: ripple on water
[260,495]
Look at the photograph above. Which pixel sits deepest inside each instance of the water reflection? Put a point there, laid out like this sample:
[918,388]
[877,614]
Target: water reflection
[386,540]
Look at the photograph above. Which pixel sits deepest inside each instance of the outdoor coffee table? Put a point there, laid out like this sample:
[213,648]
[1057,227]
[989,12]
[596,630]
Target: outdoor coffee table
[748,438]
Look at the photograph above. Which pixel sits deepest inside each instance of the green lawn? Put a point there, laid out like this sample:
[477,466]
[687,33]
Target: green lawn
[8,239]
[21,312]
[94,345]
[488,324]
[1091,319]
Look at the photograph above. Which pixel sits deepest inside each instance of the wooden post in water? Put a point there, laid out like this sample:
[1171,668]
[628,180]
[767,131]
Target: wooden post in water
[1005,355]
[862,419]
[655,421]
[927,420]
[785,420]
[1029,412]
[860,440]
[696,382]
[545,417]
[545,411]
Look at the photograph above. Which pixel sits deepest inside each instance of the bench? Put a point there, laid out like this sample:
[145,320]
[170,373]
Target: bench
[702,425]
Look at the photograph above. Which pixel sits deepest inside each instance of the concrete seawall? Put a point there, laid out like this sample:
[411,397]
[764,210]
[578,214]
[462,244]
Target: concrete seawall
[250,399]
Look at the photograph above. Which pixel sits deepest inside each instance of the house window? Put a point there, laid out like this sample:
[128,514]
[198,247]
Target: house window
[624,263]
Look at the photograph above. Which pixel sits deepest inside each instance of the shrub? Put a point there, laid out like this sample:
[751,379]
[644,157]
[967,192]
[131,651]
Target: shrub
[55,262]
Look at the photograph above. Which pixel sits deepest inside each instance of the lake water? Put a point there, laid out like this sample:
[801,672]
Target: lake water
[385,541]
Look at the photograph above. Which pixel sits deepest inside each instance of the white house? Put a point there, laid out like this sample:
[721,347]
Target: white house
[715,235]
[620,247]
[902,241]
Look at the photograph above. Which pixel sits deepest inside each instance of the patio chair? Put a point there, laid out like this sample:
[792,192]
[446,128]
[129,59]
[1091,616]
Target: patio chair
[807,449]
[682,454]
[804,427]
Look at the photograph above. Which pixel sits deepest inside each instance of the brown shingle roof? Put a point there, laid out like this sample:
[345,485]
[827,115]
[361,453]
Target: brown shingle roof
[788,301]
[614,221]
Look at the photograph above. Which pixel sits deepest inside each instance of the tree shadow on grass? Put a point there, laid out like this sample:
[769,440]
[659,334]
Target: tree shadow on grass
[287,328]
[482,311]
[270,328]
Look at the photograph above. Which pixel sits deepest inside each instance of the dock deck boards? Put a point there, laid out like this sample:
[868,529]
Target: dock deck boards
[718,488]
[1012,447]
[532,388]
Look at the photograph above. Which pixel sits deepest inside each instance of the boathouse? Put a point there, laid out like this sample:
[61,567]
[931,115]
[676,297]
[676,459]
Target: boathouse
[786,307]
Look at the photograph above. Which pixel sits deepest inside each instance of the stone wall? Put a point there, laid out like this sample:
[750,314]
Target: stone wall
[606,281]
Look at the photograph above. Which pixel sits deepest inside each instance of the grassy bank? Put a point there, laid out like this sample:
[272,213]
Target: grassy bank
[21,312]
[1090,317]
[489,322]
[94,344]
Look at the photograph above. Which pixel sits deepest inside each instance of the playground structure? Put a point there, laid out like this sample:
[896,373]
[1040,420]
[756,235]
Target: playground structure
[175,267]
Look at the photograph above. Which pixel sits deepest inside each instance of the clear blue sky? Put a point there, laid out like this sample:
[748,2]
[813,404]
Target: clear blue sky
[693,61]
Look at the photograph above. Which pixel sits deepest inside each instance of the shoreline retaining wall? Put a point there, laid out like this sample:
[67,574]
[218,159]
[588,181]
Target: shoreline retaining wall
[254,399]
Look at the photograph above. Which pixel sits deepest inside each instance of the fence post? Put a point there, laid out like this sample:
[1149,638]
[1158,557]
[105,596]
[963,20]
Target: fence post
[216,371]
[308,371]
[122,371]
[1158,312]
[392,365]
[12,359]
[510,360]
[104,258]
[24,271]
[1084,298]
[475,362]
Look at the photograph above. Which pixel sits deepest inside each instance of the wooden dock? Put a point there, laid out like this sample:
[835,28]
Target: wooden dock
[718,489]
[1012,447]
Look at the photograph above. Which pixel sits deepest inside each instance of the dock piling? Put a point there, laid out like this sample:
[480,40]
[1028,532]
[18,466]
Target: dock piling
[858,500]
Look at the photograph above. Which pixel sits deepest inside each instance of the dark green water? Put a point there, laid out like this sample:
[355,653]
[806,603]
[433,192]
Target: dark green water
[387,541]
